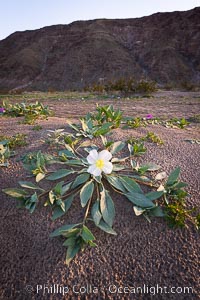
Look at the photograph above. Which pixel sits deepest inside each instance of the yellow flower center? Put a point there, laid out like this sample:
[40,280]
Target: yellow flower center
[99,163]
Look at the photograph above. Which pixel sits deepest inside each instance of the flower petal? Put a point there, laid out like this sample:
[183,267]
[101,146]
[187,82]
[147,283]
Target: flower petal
[92,157]
[94,170]
[107,169]
[91,169]
[97,172]
[105,155]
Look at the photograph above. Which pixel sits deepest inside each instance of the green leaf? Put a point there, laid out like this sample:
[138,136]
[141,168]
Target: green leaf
[29,185]
[116,183]
[63,229]
[179,185]
[60,174]
[86,192]
[107,207]
[58,212]
[87,234]
[140,200]
[156,212]
[34,198]
[98,178]
[154,195]
[70,242]
[118,160]
[141,178]
[117,146]
[103,129]
[95,212]
[15,193]
[142,169]
[153,167]
[105,227]
[80,179]
[61,204]
[73,126]
[66,188]
[39,177]
[71,252]
[74,162]
[58,188]
[71,232]
[173,176]
[117,167]
[67,153]
[130,185]
[32,207]
[133,164]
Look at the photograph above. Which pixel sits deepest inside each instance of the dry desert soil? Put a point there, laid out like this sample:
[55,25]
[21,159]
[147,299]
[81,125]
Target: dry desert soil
[152,256]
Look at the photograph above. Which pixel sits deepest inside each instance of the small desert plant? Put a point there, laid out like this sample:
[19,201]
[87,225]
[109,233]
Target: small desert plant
[136,148]
[149,137]
[17,140]
[107,114]
[176,122]
[5,153]
[136,122]
[152,137]
[88,128]
[31,112]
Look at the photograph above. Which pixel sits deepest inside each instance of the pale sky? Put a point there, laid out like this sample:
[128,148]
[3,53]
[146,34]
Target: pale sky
[20,15]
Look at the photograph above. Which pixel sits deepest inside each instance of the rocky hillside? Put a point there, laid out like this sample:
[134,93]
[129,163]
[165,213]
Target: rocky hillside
[164,47]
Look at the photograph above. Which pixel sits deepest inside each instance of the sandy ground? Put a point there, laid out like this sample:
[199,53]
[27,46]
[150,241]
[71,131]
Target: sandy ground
[151,256]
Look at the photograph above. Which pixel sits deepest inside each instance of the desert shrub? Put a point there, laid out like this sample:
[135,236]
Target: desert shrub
[188,86]
[124,85]
[51,90]
[145,86]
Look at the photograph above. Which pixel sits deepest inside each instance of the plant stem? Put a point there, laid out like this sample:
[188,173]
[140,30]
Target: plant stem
[87,210]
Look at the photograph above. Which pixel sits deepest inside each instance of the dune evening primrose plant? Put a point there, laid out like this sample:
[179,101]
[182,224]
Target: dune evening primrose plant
[82,171]
[99,162]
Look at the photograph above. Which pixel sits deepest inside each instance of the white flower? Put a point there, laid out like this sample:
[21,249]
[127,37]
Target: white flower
[99,162]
